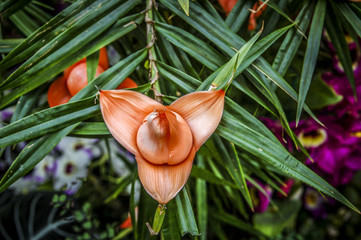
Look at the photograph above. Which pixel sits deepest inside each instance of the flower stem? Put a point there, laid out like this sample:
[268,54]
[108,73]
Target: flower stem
[151,38]
[158,220]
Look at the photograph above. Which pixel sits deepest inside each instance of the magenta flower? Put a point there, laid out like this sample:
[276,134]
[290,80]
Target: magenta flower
[260,199]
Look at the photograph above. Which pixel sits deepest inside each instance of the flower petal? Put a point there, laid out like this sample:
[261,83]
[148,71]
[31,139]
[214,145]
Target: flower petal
[202,111]
[103,62]
[58,93]
[163,182]
[78,78]
[123,112]
[127,83]
[164,138]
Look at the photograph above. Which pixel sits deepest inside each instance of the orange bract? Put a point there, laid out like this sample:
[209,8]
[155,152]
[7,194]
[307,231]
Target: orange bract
[78,78]
[164,139]
[227,5]
[127,83]
[254,15]
[103,62]
[58,92]
[75,78]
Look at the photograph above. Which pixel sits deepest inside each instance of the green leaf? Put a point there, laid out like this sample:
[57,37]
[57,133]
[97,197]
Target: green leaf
[185,5]
[219,33]
[234,168]
[201,201]
[24,23]
[37,149]
[170,229]
[8,7]
[337,36]
[235,222]
[31,155]
[197,48]
[56,118]
[321,94]
[201,173]
[147,205]
[92,62]
[59,54]
[7,45]
[353,18]
[91,130]
[273,153]
[292,41]
[239,14]
[185,215]
[227,73]
[271,223]
[309,63]
[46,121]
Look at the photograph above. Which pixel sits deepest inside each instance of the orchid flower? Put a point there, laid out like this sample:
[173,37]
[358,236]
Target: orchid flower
[164,139]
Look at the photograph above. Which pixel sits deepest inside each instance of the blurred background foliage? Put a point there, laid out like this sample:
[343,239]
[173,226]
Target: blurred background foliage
[283,164]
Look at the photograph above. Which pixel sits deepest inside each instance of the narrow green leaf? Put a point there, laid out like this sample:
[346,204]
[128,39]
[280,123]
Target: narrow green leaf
[8,7]
[46,32]
[31,155]
[185,216]
[91,130]
[92,62]
[177,77]
[24,23]
[219,33]
[46,121]
[353,18]
[321,94]
[234,221]
[42,77]
[146,208]
[170,229]
[227,73]
[239,14]
[59,50]
[274,154]
[335,31]
[233,166]
[210,177]
[292,41]
[201,201]
[197,48]
[309,63]
[26,104]
[7,45]
[185,5]
[271,223]
[37,149]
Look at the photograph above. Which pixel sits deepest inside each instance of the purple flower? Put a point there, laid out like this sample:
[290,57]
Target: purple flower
[261,196]
[313,202]
[335,151]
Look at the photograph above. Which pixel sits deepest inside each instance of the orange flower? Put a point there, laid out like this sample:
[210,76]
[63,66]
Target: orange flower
[75,79]
[227,5]
[164,139]
[58,93]
[257,11]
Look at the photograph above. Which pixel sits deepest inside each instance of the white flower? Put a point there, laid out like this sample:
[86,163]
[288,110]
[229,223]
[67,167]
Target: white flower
[44,169]
[23,185]
[75,144]
[71,170]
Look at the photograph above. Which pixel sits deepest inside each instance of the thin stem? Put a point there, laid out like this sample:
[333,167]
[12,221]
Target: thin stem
[151,38]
